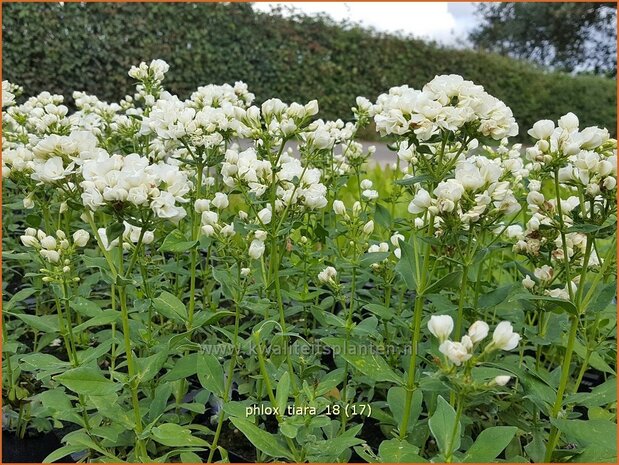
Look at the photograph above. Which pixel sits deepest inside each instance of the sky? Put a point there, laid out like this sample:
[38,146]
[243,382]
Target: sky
[447,23]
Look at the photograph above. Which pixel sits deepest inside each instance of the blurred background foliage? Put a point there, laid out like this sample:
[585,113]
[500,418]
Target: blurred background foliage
[91,46]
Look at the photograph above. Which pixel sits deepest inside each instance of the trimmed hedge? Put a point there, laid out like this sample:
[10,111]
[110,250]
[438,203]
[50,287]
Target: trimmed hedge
[91,46]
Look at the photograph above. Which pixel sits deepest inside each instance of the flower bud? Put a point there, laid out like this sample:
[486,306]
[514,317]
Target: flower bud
[339,208]
[368,228]
[502,380]
[256,249]
[504,337]
[478,331]
[327,275]
[528,283]
[80,237]
[265,215]
[220,201]
[441,326]
[202,205]
[48,243]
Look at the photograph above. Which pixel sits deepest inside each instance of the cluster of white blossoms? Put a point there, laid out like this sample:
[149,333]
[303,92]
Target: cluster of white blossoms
[256,246]
[328,276]
[447,103]
[54,248]
[295,184]
[132,179]
[481,189]
[441,326]
[131,235]
[384,247]
[209,216]
[171,119]
[544,278]
[27,123]
[336,137]
[584,158]
[8,93]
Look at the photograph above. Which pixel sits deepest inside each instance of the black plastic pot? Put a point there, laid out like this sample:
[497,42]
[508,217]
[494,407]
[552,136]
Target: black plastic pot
[31,449]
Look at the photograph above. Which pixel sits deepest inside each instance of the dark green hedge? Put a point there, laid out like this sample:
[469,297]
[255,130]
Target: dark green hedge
[91,46]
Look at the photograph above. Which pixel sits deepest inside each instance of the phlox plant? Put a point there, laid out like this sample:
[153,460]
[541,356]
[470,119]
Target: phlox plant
[209,280]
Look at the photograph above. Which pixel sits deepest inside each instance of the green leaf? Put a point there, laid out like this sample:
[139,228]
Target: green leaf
[373,257]
[211,374]
[489,444]
[399,451]
[406,267]
[495,297]
[87,381]
[332,448]
[413,180]
[381,311]
[19,297]
[604,394]
[554,304]
[106,317]
[264,441]
[183,368]
[85,307]
[442,427]
[149,367]
[382,216]
[61,453]
[45,323]
[173,435]
[201,318]
[603,298]
[113,231]
[448,281]
[176,242]
[598,437]
[396,398]
[364,359]
[170,306]
[40,361]
[282,392]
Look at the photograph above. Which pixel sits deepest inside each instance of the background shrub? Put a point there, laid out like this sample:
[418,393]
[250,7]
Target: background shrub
[90,47]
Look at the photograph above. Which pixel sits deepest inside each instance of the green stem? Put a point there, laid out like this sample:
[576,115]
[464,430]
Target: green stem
[220,420]
[195,235]
[565,376]
[418,313]
[133,380]
[454,432]
[267,382]
[353,290]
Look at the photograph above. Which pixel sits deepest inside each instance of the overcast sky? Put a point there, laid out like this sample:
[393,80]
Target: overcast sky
[445,22]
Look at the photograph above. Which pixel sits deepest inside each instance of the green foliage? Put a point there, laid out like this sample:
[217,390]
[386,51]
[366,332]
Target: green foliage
[561,35]
[87,46]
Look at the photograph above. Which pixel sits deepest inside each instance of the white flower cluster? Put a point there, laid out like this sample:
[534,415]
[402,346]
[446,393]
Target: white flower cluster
[383,247]
[447,103]
[441,326]
[586,158]
[53,248]
[131,235]
[257,247]
[170,119]
[479,190]
[328,275]
[134,180]
[8,93]
[208,210]
[295,184]
[26,124]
